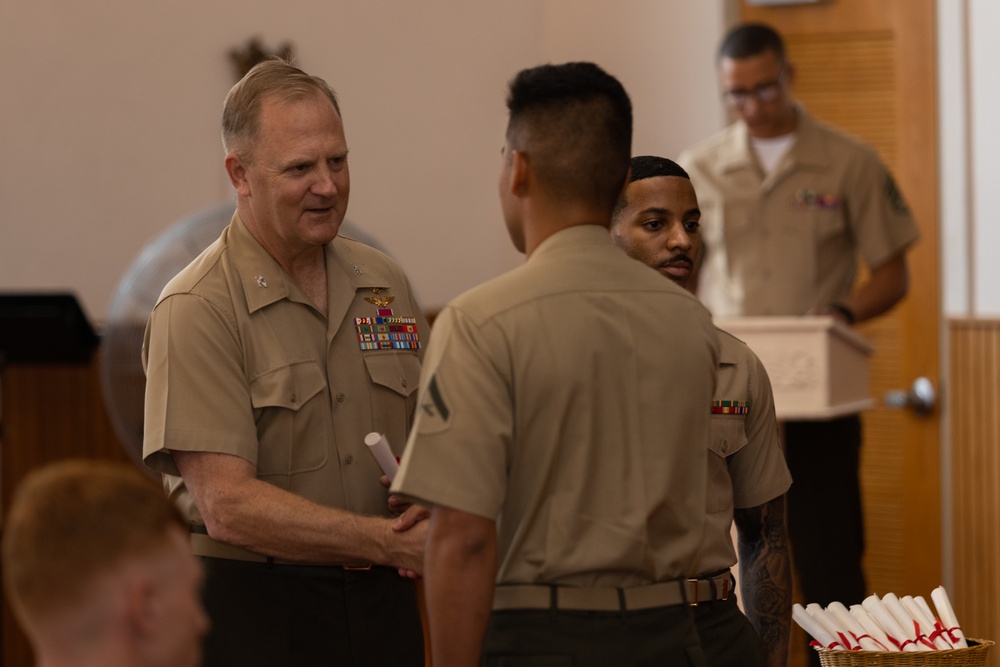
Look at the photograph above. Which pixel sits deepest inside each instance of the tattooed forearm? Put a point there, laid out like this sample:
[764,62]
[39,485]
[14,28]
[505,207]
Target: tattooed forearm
[765,575]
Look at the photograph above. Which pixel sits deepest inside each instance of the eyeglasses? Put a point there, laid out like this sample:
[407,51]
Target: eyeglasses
[763,94]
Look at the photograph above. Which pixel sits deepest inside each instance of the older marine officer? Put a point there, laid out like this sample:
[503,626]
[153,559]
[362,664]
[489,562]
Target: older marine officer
[268,360]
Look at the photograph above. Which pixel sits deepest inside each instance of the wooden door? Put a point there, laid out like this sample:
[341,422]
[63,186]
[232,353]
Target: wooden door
[869,68]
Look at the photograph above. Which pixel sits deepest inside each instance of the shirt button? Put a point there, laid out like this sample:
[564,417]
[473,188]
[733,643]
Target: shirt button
[340,398]
[348,459]
[295,398]
[725,446]
[403,382]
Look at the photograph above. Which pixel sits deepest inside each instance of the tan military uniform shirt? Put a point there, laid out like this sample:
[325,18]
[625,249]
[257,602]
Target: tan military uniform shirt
[568,400]
[787,243]
[239,362]
[746,465]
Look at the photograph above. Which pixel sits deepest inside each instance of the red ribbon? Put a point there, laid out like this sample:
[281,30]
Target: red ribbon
[949,631]
[921,637]
[895,642]
[858,638]
[833,645]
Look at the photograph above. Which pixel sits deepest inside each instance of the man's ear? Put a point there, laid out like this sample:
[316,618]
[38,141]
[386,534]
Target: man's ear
[520,173]
[141,605]
[237,174]
[789,73]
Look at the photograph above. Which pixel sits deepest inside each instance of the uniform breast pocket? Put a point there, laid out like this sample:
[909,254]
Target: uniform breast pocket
[826,223]
[727,436]
[395,379]
[292,418]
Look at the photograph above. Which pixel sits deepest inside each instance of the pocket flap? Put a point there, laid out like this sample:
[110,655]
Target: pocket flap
[727,435]
[289,386]
[398,372]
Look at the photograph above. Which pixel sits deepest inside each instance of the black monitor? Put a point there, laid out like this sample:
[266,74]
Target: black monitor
[44,328]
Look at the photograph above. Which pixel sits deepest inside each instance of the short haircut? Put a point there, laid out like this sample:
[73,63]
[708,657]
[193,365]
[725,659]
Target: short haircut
[752,39]
[72,522]
[270,78]
[574,122]
[649,166]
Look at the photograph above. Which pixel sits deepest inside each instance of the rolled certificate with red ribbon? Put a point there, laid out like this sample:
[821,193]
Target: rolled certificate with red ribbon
[873,605]
[379,447]
[830,624]
[907,623]
[947,617]
[819,634]
[865,640]
[925,608]
[873,628]
[924,623]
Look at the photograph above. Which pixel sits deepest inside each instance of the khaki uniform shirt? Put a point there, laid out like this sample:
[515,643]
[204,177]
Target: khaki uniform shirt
[786,243]
[567,400]
[239,362]
[746,465]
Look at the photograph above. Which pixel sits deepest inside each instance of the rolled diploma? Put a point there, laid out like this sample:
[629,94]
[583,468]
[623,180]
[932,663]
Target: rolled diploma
[905,620]
[864,638]
[813,628]
[873,605]
[926,608]
[872,628]
[947,615]
[925,623]
[934,620]
[830,624]
[379,447]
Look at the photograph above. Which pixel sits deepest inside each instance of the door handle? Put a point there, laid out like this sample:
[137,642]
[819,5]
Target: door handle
[920,398]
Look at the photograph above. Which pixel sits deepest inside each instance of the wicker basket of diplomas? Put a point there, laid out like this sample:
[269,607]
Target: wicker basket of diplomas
[973,656]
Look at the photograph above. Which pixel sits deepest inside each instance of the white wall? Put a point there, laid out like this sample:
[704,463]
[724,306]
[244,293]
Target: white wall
[953,129]
[985,147]
[664,55]
[970,141]
[110,115]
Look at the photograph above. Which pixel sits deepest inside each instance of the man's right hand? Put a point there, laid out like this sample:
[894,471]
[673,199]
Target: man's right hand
[405,541]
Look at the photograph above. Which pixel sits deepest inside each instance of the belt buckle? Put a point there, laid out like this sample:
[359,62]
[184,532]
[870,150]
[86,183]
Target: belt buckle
[692,599]
[357,568]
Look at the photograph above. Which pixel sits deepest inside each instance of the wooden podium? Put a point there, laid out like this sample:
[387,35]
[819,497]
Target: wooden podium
[818,366]
[52,407]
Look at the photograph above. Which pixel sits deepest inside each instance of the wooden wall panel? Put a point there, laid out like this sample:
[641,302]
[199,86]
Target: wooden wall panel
[49,412]
[974,381]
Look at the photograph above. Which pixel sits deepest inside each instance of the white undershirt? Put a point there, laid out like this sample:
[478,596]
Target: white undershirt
[769,151]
